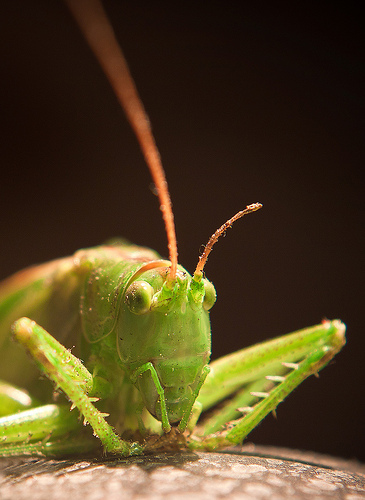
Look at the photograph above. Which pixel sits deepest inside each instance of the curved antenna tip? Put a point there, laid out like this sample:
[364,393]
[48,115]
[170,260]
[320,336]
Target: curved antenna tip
[214,238]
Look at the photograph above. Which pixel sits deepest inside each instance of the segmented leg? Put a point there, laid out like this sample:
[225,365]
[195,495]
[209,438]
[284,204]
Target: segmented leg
[69,374]
[260,377]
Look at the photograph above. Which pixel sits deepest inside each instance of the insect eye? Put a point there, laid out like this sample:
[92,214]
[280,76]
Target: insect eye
[210,295]
[138,297]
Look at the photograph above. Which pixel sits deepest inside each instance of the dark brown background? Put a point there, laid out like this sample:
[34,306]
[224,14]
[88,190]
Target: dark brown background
[257,104]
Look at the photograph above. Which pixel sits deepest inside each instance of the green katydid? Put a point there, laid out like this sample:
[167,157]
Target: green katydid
[140,325]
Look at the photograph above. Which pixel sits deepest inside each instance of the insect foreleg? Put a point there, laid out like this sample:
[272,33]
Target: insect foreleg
[68,373]
[193,412]
[161,393]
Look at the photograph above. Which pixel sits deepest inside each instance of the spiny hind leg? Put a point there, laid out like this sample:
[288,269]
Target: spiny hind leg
[69,374]
[28,428]
[45,430]
[259,378]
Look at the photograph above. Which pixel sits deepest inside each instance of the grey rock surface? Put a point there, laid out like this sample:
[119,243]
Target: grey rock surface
[244,473]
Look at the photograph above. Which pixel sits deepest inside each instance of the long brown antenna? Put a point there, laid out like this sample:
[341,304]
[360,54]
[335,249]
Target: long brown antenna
[214,238]
[99,33]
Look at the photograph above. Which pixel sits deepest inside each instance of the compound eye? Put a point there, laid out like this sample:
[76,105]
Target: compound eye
[138,297]
[210,295]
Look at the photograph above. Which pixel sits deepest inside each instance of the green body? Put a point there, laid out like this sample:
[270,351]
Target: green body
[130,349]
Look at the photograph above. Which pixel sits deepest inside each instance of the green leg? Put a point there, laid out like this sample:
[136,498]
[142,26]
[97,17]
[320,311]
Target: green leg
[238,405]
[260,377]
[74,444]
[14,399]
[161,393]
[27,428]
[189,414]
[69,374]
[43,431]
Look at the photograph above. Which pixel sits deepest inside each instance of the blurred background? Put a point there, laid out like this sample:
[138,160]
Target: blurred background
[252,103]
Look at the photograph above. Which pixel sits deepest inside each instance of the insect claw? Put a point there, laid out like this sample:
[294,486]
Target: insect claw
[293,366]
[72,407]
[259,394]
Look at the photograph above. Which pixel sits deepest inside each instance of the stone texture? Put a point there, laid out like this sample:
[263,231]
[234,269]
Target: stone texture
[244,473]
